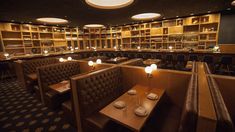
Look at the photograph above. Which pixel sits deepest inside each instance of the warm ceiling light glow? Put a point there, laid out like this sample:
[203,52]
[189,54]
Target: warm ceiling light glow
[146,16]
[93,26]
[233,3]
[52,20]
[109,4]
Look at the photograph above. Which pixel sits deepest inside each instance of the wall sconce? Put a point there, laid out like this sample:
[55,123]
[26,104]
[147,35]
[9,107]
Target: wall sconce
[70,58]
[6,55]
[61,59]
[115,47]
[98,61]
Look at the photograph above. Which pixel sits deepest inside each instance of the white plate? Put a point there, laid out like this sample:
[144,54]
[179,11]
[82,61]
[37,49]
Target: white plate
[119,104]
[141,111]
[132,92]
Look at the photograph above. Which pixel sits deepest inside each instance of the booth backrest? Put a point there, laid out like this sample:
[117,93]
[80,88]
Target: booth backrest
[189,114]
[56,73]
[30,66]
[95,90]
[224,121]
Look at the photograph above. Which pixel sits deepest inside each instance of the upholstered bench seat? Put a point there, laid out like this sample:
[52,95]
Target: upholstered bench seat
[97,121]
[55,99]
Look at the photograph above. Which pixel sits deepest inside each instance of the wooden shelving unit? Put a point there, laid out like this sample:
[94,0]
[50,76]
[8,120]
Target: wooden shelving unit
[198,32]
[20,39]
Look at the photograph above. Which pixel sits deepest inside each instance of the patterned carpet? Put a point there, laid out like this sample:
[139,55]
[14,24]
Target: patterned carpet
[20,111]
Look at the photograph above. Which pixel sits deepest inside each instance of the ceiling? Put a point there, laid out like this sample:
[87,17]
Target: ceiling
[79,13]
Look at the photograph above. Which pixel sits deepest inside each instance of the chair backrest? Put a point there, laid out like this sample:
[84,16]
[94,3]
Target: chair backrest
[226,60]
[224,121]
[30,66]
[208,59]
[95,90]
[56,73]
[189,115]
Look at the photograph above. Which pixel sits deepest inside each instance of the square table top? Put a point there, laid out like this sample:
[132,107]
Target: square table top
[60,87]
[126,116]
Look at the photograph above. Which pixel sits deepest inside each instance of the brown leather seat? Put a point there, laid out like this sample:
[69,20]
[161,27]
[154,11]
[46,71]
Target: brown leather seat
[53,74]
[92,92]
[224,121]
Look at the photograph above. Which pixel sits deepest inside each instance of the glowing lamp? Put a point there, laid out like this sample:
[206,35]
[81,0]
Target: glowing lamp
[90,63]
[45,51]
[6,54]
[98,61]
[69,58]
[148,70]
[61,59]
[154,67]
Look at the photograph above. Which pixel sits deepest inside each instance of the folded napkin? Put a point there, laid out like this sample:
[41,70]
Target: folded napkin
[152,96]
[141,111]
[132,92]
[119,104]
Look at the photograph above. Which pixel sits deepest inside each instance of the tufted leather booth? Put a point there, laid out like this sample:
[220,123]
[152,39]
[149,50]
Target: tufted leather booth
[53,74]
[224,121]
[189,115]
[91,93]
[24,68]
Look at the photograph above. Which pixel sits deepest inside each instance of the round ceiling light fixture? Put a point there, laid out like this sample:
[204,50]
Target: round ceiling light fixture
[146,16]
[94,26]
[233,3]
[109,4]
[52,20]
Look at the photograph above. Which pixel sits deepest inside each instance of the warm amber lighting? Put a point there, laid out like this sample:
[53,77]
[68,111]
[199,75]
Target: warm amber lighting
[148,70]
[146,16]
[90,63]
[6,54]
[52,20]
[154,67]
[98,61]
[233,3]
[109,4]
[69,58]
[45,51]
[61,59]
[94,26]
[170,47]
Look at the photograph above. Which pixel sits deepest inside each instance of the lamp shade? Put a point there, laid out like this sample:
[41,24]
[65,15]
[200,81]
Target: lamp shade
[148,70]
[90,63]
[61,59]
[69,58]
[6,54]
[98,61]
[154,67]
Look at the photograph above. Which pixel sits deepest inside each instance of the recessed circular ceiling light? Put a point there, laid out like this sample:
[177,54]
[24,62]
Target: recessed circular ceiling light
[233,3]
[109,4]
[52,20]
[94,26]
[146,16]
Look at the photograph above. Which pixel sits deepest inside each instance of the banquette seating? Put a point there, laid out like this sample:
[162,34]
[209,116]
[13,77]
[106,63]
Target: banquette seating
[53,74]
[29,67]
[170,118]
[92,92]
[224,121]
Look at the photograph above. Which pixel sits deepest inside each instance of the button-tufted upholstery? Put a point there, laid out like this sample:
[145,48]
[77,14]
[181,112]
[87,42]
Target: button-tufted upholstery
[53,74]
[189,115]
[94,91]
[224,121]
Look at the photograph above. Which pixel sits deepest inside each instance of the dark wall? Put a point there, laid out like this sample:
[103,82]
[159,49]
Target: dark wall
[227,28]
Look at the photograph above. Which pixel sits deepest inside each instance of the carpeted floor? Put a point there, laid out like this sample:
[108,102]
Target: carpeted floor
[21,111]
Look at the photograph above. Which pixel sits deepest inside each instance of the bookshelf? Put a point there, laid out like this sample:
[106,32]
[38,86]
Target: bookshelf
[20,39]
[197,32]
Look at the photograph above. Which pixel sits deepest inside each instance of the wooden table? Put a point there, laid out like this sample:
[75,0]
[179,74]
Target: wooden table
[126,116]
[117,60]
[33,76]
[60,87]
[151,61]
